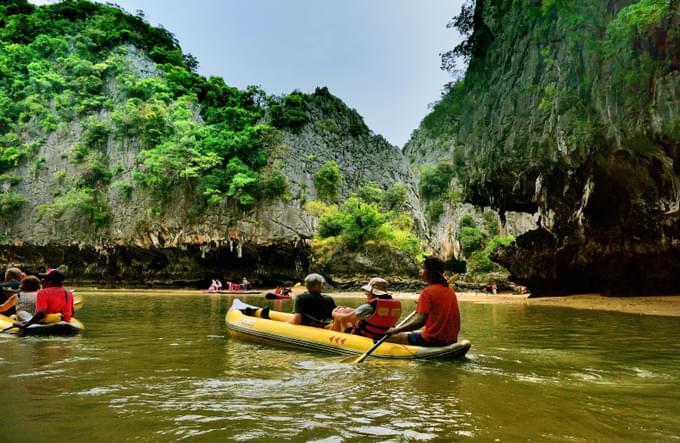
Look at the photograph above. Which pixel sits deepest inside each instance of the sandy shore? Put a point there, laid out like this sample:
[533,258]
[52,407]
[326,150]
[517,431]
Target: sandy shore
[655,305]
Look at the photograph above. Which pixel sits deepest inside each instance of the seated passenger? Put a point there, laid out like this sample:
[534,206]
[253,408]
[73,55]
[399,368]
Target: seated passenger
[312,308]
[24,301]
[373,318]
[10,286]
[52,299]
[437,310]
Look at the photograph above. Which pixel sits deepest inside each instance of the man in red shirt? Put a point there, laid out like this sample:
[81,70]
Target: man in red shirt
[52,299]
[437,310]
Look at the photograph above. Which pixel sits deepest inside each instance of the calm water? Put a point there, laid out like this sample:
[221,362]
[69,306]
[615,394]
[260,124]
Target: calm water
[161,367]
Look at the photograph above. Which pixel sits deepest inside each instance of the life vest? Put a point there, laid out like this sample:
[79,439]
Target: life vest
[26,302]
[386,313]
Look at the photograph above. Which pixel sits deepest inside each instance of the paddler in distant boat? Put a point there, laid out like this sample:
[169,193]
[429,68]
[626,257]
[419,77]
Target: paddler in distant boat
[437,310]
[245,284]
[312,308]
[373,318]
[53,298]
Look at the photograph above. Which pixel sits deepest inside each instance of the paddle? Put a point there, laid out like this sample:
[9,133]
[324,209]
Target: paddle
[362,357]
[7,328]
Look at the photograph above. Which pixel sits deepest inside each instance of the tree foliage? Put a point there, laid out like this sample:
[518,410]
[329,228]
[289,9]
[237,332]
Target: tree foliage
[289,111]
[77,61]
[476,36]
[327,181]
[480,262]
[356,223]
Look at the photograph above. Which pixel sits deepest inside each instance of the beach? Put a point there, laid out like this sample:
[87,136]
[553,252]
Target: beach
[650,305]
[668,306]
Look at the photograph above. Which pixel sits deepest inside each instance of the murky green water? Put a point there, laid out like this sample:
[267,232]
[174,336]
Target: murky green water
[154,367]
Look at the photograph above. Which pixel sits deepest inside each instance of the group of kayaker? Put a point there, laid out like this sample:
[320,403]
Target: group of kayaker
[436,322]
[216,285]
[29,299]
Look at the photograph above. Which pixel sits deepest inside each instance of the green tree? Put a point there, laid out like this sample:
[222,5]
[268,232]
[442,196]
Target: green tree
[471,239]
[434,180]
[479,262]
[371,192]
[396,197]
[327,181]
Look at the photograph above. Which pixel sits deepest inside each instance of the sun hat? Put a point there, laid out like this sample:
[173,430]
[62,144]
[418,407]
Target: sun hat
[376,286]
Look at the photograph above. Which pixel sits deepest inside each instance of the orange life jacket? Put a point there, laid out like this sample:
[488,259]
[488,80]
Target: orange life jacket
[386,313]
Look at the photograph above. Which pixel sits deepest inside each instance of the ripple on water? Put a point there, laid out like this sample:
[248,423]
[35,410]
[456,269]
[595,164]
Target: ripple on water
[331,439]
[377,431]
[643,373]
[99,391]
[198,418]
[49,373]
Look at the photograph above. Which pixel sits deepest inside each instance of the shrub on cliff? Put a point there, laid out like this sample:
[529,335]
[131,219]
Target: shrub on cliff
[289,111]
[371,193]
[396,197]
[434,188]
[443,120]
[479,261]
[327,181]
[10,202]
[357,223]
[471,239]
[434,180]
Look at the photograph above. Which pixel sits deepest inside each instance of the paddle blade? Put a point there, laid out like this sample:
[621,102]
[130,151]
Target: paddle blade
[352,359]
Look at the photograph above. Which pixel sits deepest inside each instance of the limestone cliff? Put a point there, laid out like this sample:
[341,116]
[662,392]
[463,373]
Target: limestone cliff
[443,232]
[153,174]
[571,110]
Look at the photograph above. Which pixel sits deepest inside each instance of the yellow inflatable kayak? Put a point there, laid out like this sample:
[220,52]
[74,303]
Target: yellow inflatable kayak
[245,321]
[52,326]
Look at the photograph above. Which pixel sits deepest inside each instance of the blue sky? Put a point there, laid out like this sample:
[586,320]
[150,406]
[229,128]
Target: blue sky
[379,56]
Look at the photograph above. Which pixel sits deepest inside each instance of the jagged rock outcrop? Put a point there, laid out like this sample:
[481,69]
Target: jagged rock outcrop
[571,110]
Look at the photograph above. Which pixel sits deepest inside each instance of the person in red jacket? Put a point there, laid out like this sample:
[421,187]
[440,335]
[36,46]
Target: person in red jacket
[52,299]
[437,310]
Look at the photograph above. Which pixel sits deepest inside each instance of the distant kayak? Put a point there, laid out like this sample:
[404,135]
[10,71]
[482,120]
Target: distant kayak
[279,294]
[246,322]
[275,296]
[241,292]
[52,328]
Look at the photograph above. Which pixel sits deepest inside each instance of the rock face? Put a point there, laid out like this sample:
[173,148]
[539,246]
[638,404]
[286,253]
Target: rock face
[89,100]
[145,242]
[442,234]
[571,111]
